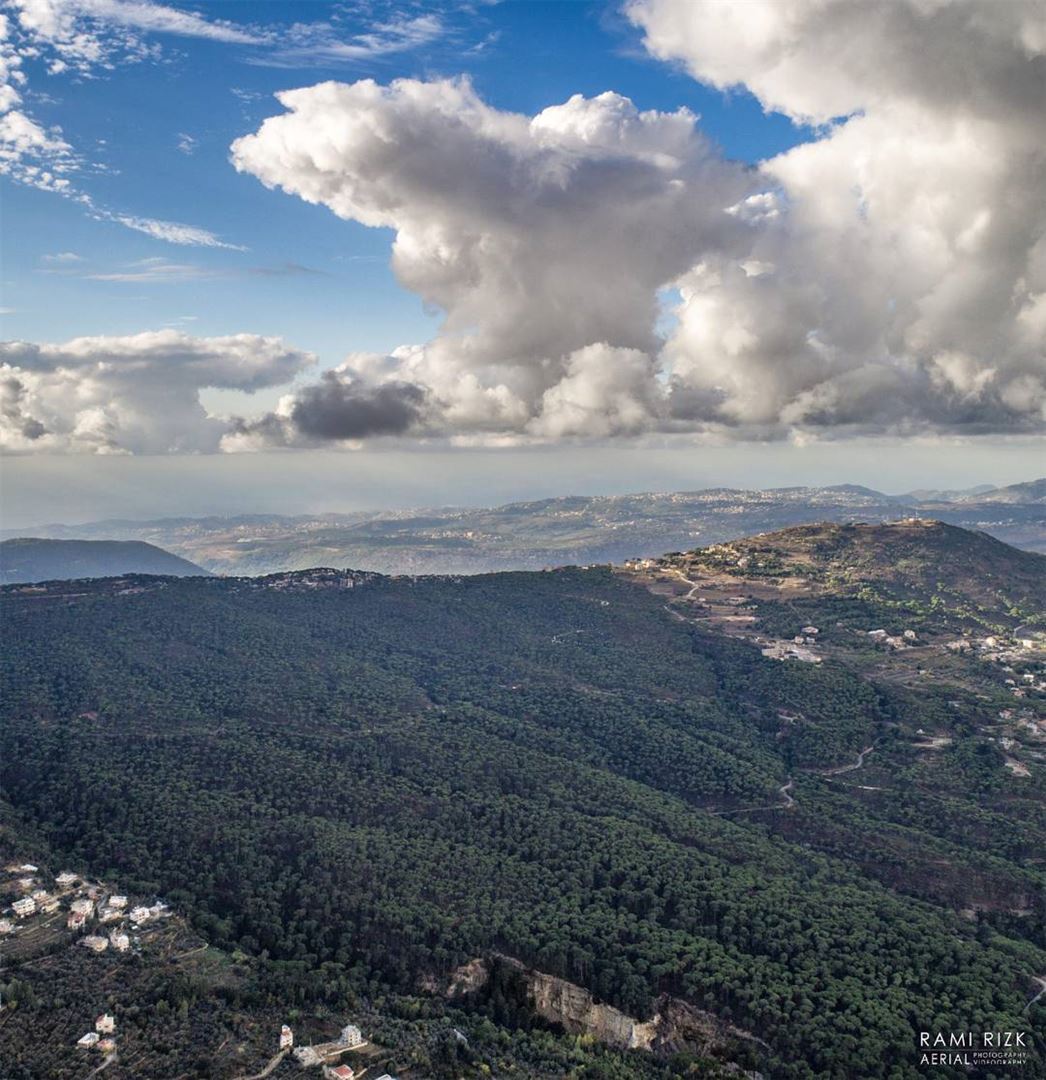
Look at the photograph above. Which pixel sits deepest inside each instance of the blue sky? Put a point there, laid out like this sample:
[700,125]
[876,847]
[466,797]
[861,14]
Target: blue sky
[324,284]
[713,236]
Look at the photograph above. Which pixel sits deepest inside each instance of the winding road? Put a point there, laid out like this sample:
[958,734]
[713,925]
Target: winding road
[859,763]
[109,1059]
[268,1068]
[694,585]
[1041,980]
[784,791]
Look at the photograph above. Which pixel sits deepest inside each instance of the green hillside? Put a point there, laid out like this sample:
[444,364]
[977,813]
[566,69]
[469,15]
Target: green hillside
[364,787]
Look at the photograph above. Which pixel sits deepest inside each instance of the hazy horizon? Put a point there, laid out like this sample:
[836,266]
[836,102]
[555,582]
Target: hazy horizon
[44,489]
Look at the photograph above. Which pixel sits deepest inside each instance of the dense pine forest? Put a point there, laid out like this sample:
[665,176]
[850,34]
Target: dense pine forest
[363,788]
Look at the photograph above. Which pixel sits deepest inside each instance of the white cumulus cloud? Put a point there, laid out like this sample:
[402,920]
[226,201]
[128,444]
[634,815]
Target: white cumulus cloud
[132,394]
[543,239]
[888,275]
[907,241]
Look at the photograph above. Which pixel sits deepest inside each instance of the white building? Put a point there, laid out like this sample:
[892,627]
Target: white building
[140,915]
[6,926]
[351,1036]
[118,902]
[105,1024]
[76,920]
[87,1040]
[83,906]
[120,942]
[25,906]
[95,943]
[65,879]
[286,1038]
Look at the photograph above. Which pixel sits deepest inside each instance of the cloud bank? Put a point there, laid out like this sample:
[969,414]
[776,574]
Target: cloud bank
[134,394]
[886,277]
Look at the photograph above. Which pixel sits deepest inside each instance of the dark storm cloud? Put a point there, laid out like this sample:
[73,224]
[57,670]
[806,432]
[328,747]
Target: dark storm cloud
[336,408]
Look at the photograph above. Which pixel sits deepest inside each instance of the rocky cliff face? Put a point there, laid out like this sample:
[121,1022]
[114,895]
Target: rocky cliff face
[676,1025]
[572,1006]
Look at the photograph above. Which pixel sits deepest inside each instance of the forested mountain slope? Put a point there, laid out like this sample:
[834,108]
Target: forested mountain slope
[34,559]
[365,782]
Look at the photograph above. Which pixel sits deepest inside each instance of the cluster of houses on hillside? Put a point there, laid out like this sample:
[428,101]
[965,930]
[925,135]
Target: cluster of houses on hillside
[789,650]
[1006,652]
[84,903]
[103,1038]
[799,648]
[324,1054]
[904,640]
[317,578]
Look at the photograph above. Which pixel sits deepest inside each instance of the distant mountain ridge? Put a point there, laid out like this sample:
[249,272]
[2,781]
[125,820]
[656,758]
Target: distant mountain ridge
[573,529]
[1032,492]
[30,559]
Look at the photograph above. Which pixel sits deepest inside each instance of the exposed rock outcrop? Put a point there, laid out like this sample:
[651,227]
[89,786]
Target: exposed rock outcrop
[676,1025]
[572,1006]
